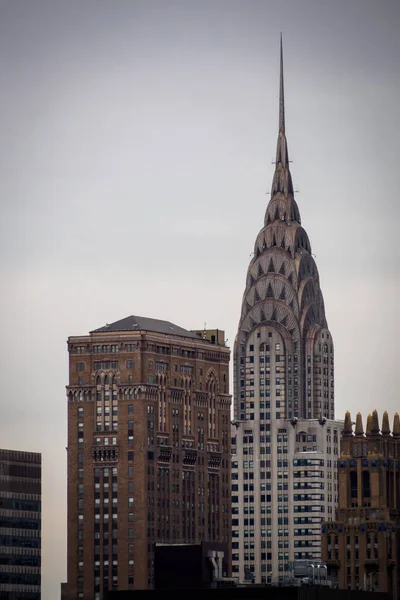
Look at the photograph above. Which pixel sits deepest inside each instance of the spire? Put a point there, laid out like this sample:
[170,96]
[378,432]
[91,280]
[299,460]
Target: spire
[282,182]
[281,96]
[385,424]
[396,425]
[369,425]
[348,427]
[359,425]
[375,423]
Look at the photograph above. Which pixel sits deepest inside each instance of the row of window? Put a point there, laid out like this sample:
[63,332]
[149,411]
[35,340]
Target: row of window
[264,347]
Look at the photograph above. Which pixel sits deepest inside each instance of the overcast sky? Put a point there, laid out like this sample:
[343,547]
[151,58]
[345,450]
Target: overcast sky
[136,140]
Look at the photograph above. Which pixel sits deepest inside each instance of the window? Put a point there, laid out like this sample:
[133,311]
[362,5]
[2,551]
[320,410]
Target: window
[130,364]
[130,409]
[80,366]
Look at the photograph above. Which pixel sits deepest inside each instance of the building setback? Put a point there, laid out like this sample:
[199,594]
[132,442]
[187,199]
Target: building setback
[20,525]
[362,547]
[148,449]
[285,436]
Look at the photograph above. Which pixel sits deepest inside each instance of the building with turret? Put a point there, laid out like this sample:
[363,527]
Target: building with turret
[362,546]
[285,439]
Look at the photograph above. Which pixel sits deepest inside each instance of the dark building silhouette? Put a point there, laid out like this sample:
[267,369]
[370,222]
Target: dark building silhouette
[250,592]
[362,547]
[148,449]
[20,525]
[182,566]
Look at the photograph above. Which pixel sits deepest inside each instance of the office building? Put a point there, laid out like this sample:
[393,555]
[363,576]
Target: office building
[362,546]
[148,449]
[20,525]
[284,484]
[285,437]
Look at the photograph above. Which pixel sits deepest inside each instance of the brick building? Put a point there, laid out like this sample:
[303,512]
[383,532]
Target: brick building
[362,547]
[148,449]
[20,524]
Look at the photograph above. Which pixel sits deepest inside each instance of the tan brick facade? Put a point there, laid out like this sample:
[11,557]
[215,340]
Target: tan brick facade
[148,452]
[362,547]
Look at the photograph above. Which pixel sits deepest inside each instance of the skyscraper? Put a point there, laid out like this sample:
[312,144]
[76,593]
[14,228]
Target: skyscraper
[148,449]
[20,524]
[283,394]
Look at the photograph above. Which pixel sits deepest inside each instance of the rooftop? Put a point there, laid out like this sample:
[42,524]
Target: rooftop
[134,323]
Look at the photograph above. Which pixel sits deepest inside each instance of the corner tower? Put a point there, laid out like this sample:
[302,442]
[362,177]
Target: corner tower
[282,322]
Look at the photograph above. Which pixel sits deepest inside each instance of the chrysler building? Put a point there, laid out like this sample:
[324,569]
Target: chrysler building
[285,439]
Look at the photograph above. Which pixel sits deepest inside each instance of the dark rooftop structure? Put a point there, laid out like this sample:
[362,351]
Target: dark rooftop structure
[182,566]
[251,592]
[134,323]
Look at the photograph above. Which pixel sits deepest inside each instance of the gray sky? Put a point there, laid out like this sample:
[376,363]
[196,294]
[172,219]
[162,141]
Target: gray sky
[136,140]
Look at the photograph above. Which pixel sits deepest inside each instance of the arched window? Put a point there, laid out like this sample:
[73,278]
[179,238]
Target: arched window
[106,380]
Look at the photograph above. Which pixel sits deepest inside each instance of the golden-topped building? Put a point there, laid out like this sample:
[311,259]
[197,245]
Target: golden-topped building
[362,547]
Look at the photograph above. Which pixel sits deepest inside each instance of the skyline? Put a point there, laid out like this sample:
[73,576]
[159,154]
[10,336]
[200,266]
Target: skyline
[96,101]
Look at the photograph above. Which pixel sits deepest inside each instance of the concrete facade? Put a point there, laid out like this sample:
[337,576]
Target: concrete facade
[284,484]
